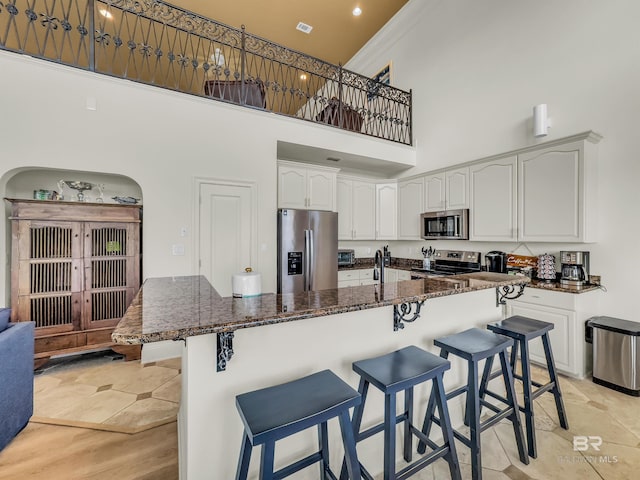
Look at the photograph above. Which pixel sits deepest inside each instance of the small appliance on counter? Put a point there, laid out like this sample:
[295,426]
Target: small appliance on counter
[346,257]
[547,267]
[246,284]
[574,268]
[496,261]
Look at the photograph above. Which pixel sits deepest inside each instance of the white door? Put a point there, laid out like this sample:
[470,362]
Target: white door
[227,240]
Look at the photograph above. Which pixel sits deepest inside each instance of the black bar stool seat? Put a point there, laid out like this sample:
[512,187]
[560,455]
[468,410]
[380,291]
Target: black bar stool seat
[273,413]
[474,345]
[522,330]
[394,372]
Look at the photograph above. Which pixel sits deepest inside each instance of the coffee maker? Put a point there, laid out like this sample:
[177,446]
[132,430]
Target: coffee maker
[574,268]
[496,262]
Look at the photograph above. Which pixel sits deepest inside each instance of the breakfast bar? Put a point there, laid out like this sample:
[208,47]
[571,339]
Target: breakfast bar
[234,345]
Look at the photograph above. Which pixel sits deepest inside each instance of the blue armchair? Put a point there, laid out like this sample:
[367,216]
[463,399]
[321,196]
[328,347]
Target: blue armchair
[16,376]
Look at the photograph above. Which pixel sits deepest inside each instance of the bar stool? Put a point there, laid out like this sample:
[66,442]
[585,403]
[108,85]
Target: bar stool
[277,412]
[522,330]
[401,371]
[475,345]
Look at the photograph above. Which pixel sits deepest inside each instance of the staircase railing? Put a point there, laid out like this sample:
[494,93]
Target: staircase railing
[159,44]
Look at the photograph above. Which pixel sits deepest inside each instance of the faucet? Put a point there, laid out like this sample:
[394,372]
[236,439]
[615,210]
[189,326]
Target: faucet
[379,262]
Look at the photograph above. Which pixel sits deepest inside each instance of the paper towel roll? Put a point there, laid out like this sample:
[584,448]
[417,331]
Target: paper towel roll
[246,284]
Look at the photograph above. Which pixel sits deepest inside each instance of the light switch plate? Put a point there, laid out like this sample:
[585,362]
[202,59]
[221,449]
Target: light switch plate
[177,249]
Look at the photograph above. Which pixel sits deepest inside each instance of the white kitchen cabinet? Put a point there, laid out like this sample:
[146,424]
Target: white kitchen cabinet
[493,200]
[448,190]
[568,313]
[364,276]
[304,187]
[434,192]
[457,188]
[410,206]
[386,211]
[356,206]
[557,193]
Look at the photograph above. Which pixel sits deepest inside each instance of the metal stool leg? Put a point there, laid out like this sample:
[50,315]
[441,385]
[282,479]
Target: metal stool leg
[350,465]
[408,436]
[447,431]
[511,398]
[557,394]
[356,422]
[266,460]
[245,457]
[528,399]
[431,405]
[473,410]
[323,441]
[389,436]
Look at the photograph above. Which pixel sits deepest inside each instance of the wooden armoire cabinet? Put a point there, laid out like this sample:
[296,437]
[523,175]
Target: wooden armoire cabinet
[75,268]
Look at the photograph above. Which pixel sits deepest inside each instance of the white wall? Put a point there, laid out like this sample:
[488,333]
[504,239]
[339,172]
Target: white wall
[478,68]
[160,139]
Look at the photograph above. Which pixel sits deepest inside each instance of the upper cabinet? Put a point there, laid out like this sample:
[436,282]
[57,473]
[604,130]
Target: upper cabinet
[557,193]
[306,187]
[457,188]
[493,200]
[356,206]
[448,190]
[434,192]
[386,211]
[410,206]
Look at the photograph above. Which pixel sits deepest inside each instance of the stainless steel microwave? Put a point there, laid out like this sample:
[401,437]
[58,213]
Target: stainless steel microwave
[446,225]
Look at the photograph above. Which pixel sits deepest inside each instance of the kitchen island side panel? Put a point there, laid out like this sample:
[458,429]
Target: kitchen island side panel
[209,424]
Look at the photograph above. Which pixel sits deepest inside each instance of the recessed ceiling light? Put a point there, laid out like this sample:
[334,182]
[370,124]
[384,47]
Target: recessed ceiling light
[357,11]
[303,27]
[106,14]
[303,76]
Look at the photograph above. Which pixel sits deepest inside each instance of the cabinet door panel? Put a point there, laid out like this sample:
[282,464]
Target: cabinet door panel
[457,189]
[434,192]
[320,190]
[548,195]
[562,336]
[410,206]
[364,211]
[292,187]
[344,207]
[493,202]
[386,211]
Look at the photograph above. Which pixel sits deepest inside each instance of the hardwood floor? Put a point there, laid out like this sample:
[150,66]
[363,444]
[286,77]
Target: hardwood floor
[53,452]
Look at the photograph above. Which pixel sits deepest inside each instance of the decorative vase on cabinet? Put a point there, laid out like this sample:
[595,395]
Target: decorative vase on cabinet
[75,270]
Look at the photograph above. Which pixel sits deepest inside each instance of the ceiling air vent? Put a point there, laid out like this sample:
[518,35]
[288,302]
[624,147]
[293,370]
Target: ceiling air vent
[303,27]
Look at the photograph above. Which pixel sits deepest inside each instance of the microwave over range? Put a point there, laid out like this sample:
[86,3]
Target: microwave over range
[445,225]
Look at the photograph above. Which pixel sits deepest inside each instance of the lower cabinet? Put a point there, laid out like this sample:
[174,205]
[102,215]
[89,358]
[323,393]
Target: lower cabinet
[568,313]
[364,276]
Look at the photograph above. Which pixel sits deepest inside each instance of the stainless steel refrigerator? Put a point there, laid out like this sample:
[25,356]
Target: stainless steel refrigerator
[307,250]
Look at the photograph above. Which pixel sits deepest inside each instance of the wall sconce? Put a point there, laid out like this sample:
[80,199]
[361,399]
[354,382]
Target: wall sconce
[218,58]
[540,120]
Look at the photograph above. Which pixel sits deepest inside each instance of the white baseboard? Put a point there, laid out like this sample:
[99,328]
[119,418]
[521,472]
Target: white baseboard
[153,352]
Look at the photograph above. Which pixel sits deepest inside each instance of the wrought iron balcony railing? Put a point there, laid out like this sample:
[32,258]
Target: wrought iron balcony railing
[156,43]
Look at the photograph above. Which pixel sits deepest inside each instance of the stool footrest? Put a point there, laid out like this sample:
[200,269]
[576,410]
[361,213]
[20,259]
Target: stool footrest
[299,465]
[378,428]
[489,405]
[457,391]
[542,389]
[495,419]
[496,396]
[418,465]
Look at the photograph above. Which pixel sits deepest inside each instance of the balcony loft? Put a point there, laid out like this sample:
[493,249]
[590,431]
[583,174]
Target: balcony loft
[155,43]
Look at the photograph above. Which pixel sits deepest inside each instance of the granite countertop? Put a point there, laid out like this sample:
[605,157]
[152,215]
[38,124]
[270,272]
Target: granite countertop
[174,308]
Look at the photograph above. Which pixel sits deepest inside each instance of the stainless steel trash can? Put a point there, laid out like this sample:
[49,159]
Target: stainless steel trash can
[616,354]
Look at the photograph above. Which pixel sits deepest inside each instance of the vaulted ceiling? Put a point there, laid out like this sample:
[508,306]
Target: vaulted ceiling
[336,36]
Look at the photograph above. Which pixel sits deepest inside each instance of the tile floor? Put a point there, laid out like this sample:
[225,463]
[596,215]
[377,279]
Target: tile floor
[592,410]
[96,391]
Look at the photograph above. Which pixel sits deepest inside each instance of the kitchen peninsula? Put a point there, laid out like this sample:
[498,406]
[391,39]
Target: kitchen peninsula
[298,334]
